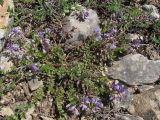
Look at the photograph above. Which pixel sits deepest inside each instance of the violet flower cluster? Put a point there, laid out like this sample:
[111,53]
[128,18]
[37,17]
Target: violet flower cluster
[109,33]
[45,43]
[13,48]
[14,31]
[98,33]
[117,88]
[33,68]
[95,102]
[87,103]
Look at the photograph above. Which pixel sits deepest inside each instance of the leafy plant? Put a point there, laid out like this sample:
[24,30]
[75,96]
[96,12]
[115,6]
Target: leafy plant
[113,6]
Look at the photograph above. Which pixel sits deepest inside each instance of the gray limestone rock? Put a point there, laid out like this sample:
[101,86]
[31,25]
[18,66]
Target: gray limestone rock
[146,104]
[81,24]
[35,84]
[135,70]
[5,64]
[132,37]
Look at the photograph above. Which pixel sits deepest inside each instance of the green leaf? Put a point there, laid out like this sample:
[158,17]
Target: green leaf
[46,68]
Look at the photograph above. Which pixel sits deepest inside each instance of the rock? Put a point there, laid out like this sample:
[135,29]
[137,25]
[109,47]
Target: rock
[26,89]
[132,37]
[81,24]
[144,88]
[152,52]
[7,99]
[146,104]
[152,10]
[135,70]
[5,20]
[35,84]
[5,64]
[127,117]
[6,111]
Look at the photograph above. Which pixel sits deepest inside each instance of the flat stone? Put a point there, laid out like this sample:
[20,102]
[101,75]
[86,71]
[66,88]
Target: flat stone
[35,84]
[26,89]
[83,28]
[146,104]
[132,37]
[127,117]
[5,64]
[6,111]
[135,70]
[7,99]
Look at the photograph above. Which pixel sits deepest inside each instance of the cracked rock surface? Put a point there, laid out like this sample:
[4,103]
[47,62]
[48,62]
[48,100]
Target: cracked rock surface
[135,70]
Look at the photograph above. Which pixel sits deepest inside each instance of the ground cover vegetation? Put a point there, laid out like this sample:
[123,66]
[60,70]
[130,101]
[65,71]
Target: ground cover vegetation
[73,75]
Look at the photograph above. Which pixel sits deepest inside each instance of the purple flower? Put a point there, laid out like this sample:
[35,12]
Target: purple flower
[86,99]
[47,30]
[97,32]
[83,107]
[118,87]
[12,47]
[95,109]
[14,31]
[19,56]
[33,68]
[113,45]
[97,102]
[40,35]
[46,42]
[110,32]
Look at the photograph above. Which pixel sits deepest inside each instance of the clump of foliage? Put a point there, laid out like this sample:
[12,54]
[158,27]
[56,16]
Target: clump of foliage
[72,75]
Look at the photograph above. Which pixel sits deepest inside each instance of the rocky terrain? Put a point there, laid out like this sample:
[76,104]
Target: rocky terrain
[80,60]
